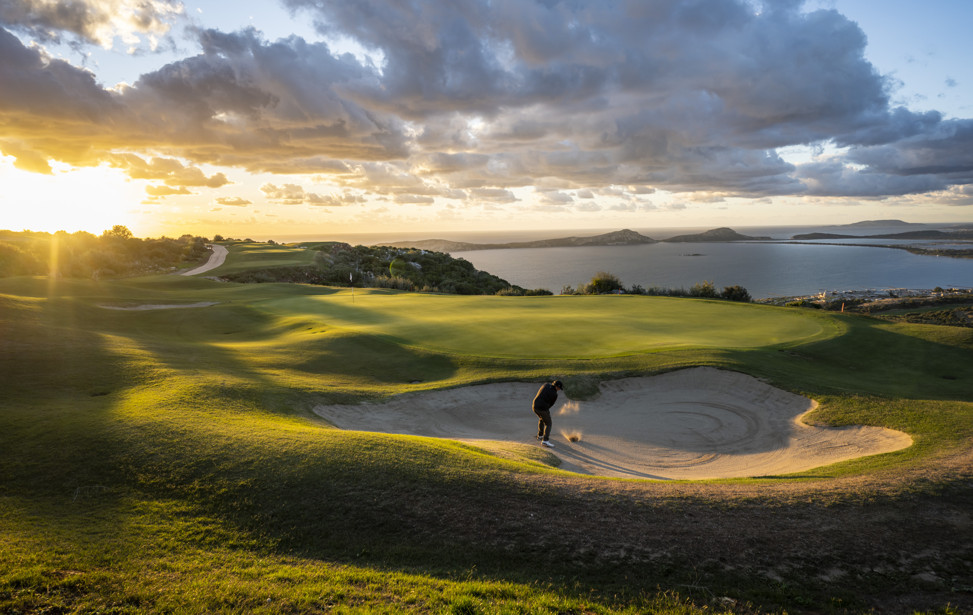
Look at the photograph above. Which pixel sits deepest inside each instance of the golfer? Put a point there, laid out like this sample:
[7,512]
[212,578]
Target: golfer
[543,401]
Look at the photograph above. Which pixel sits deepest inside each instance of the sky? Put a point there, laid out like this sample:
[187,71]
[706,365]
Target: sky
[272,119]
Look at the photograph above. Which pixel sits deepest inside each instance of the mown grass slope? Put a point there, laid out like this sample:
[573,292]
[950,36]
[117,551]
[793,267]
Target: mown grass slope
[167,460]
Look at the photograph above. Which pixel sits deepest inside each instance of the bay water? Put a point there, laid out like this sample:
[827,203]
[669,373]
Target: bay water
[777,268]
[764,269]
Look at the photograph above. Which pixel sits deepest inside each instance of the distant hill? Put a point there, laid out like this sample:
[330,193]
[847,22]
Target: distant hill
[623,237]
[875,223]
[717,234]
[945,235]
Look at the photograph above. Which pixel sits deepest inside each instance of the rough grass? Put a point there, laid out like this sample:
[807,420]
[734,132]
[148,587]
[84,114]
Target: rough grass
[160,461]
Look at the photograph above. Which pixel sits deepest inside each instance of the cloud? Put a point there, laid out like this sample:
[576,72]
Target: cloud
[468,100]
[233,201]
[92,21]
[287,194]
[162,191]
[493,195]
[43,98]
[25,158]
[555,197]
[416,199]
[293,194]
[170,171]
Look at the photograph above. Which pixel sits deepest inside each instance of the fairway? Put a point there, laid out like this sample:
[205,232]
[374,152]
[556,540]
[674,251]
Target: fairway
[566,327]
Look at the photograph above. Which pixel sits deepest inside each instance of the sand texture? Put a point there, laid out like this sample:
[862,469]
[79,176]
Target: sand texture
[697,423]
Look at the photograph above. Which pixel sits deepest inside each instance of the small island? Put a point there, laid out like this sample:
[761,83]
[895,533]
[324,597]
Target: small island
[714,235]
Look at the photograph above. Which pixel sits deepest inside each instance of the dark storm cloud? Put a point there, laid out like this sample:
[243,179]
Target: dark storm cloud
[686,95]
[946,150]
[461,96]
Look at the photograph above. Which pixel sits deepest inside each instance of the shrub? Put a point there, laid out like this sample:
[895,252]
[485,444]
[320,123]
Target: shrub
[15,261]
[510,292]
[703,289]
[736,293]
[603,283]
[384,281]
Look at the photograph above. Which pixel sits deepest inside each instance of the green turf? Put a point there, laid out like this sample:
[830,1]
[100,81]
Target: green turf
[250,256]
[558,327]
[167,460]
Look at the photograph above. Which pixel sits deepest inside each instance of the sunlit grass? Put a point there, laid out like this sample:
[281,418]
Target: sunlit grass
[559,327]
[250,256]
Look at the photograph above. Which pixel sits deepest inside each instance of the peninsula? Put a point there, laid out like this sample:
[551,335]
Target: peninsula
[624,237]
[960,235]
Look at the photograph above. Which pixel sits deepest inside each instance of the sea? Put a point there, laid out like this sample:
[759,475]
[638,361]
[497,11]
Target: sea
[782,267]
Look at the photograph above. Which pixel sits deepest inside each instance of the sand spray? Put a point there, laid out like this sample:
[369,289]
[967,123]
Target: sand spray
[569,408]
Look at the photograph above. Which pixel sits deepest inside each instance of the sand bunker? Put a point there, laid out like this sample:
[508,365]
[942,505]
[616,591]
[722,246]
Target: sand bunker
[695,423]
[158,306]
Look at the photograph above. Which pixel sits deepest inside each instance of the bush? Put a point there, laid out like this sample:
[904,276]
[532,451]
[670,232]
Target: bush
[15,261]
[705,289]
[509,292]
[736,293]
[603,283]
[396,283]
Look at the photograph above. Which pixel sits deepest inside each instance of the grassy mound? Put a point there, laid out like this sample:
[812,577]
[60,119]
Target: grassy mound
[166,459]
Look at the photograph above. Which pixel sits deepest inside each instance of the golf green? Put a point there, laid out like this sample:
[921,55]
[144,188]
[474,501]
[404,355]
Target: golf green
[558,327]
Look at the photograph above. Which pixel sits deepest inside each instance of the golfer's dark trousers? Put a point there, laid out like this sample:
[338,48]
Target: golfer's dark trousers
[544,424]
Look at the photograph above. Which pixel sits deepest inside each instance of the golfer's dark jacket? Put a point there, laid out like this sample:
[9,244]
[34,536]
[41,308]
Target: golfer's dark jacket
[545,397]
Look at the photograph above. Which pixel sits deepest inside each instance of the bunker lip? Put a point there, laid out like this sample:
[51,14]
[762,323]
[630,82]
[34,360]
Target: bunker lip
[692,424]
[159,306]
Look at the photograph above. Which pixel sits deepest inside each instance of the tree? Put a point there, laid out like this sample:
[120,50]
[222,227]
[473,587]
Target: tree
[399,268]
[603,283]
[118,232]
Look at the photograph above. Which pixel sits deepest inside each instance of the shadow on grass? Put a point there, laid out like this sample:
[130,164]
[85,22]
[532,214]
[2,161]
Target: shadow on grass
[872,358]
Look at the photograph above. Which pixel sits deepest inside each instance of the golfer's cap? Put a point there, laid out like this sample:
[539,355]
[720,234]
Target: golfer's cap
[558,384]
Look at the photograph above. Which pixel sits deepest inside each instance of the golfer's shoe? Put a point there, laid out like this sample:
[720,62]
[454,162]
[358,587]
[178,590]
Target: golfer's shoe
[547,443]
